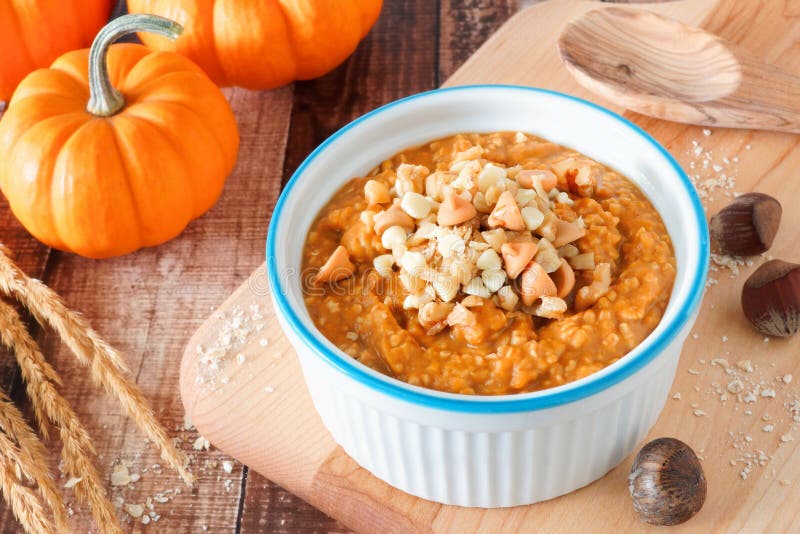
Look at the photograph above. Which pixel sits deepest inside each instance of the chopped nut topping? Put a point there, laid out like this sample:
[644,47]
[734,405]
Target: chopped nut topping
[477,231]
[588,295]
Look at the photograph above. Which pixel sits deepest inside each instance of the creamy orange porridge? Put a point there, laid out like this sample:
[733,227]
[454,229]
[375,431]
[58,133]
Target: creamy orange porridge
[488,264]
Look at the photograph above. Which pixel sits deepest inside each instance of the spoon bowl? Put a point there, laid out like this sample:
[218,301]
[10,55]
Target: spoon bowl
[661,67]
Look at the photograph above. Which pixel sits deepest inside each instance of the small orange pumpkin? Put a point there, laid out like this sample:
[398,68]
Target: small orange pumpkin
[35,32]
[263,44]
[100,172]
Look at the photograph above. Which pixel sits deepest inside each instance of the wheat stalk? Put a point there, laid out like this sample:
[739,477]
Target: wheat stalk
[77,450]
[107,365]
[24,503]
[32,457]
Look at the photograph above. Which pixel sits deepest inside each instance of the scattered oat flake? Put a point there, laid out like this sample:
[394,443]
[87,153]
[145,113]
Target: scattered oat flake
[120,476]
[134,510]
[201,443]
[72,482]
[785,482]
[786,438]
[745,365]
[692,372]
[724,339]
[263,342]
[699,413]
[768,393]
[269,389]
[786,379]
[677,396]
[768,428]
[706,132]
[227,466]
[749,398]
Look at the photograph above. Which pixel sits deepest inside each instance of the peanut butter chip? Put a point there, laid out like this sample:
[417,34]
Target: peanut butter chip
[455,210]
[536,283]
[564,279]
[517,256]
[394,216]
[506,214]
[338,267]
[567,232]
[547,179]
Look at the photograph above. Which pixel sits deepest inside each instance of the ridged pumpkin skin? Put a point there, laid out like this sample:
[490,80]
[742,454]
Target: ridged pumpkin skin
[103,187]
[35,32]
[266,43]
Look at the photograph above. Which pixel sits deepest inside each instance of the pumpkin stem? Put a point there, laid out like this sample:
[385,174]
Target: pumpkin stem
[104,100]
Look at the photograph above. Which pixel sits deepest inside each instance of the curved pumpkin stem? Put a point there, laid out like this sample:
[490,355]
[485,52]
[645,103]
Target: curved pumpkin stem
[104,100]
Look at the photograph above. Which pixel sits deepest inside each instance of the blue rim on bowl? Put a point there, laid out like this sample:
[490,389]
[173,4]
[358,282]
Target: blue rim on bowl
[521,402]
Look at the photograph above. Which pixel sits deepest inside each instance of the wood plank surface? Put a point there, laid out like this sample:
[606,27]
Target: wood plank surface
[749,446]
[149,303]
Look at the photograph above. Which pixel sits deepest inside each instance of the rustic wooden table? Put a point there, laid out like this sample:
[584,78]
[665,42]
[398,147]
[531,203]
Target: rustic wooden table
[149,303]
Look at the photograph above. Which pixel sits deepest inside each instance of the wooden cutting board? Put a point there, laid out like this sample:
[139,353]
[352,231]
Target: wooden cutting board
[243,388]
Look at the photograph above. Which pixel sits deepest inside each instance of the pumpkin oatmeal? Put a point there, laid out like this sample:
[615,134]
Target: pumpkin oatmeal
[488,264]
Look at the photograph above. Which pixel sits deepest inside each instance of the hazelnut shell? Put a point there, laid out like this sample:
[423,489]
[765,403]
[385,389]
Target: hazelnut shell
[771,298]
[666,482]
[747,226]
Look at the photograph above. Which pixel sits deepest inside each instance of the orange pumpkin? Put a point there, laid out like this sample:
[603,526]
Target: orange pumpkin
[100,172]
[266,43]
[35,32]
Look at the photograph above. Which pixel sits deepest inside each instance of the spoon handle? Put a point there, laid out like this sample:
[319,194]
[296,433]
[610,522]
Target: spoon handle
[768,98]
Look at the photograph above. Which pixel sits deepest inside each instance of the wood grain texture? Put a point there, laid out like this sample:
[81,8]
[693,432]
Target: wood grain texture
[662,68]
[302,456]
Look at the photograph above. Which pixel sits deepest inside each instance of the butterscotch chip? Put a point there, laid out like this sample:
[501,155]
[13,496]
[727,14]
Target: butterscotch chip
[455,210]
[567,232]
[393,216]
[535,284]
[564,279]
[376,192]
[506,213]
[338,267]
[517,256]
[545,178]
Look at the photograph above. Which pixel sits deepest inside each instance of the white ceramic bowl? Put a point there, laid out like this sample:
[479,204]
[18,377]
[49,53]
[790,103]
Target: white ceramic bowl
[488,451]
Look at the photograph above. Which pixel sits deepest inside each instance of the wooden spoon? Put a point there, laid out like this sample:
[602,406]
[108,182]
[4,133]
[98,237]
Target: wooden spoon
[661,67]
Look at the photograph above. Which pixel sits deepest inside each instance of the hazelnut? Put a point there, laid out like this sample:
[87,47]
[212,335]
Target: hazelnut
[666,482]
[746,226]
[771,298]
